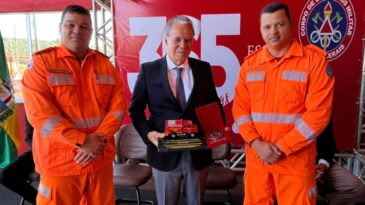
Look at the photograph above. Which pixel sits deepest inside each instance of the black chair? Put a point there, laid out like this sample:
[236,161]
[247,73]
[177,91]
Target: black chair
[220,177]
[128,172]
[34,177]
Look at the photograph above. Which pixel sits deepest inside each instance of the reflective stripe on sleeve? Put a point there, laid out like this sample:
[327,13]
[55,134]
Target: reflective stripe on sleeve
[50,124]
[118,115]
[294,76]
[79,123]
[240,121]
[275,118]
[305,130]
[255,77]
[87,123]
[300,124]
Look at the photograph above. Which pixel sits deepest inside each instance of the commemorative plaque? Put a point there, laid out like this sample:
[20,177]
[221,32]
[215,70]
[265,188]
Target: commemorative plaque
[181,135]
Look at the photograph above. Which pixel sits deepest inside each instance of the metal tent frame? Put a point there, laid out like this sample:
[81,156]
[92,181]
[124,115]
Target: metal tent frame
[359,151]
[104,27]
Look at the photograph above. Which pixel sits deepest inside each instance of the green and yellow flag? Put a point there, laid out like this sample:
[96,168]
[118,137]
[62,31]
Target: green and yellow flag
[9,125]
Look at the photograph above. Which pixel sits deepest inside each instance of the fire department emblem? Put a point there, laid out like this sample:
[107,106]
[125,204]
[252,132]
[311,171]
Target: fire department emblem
[328,24]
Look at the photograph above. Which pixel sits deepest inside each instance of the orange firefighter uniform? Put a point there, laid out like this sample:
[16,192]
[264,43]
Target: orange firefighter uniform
[66,99]
[288,102]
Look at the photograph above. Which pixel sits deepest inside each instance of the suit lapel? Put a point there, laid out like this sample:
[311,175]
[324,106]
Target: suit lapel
[194,70]
[165,80]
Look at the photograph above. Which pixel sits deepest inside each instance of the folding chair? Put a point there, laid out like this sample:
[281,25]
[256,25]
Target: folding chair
[220,177]
[128,172]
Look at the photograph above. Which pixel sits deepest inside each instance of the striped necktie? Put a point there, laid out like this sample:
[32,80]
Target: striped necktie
[180,93]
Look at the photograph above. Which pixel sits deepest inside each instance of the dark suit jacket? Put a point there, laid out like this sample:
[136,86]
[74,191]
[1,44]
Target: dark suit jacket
[28,132]
[326,144]
[152,89]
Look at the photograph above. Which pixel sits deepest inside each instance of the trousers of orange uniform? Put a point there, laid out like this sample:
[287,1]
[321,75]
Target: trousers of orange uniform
[71,189]
[265,187]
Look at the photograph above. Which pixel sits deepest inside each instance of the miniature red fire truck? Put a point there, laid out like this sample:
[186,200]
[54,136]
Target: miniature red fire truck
[180,128]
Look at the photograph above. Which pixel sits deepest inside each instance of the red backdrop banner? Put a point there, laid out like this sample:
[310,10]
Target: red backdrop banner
[39,5]
[226,31]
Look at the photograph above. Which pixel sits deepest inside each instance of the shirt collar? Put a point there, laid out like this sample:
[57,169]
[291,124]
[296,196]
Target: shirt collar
[64,52]
[171,65]
[294,50]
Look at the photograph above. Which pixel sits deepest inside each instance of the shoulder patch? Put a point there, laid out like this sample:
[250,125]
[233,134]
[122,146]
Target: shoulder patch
[30,64]
[44,51]
[253,53]
[103,54]
[329,71]
[317,49]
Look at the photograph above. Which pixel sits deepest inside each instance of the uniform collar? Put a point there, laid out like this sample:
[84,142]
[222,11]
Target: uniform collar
[295,49]
[64,52]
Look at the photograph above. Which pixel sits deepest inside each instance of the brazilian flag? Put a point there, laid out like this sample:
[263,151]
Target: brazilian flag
[9,125]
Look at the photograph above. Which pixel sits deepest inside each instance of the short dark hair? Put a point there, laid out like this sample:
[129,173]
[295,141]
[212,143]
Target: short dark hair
[75,9]
[275,6]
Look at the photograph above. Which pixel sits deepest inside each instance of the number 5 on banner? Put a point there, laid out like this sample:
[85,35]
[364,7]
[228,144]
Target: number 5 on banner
[211,27]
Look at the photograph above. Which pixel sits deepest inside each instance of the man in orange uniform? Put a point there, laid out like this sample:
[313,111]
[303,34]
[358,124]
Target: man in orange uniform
[283,100]
[74,100]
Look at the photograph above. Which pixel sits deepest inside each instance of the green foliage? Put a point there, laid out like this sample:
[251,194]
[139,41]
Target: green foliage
[19,48]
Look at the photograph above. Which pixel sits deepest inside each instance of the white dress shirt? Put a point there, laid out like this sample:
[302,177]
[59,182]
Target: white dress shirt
[186,75]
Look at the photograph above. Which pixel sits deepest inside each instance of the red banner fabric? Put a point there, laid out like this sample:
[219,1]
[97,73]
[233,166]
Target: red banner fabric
[39,5]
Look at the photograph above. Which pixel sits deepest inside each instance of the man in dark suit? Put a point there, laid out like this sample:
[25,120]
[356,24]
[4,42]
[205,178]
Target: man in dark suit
[340,186]
[159,88]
